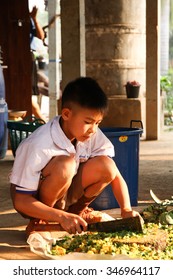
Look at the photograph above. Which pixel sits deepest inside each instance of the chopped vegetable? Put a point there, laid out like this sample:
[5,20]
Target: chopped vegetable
[135,245]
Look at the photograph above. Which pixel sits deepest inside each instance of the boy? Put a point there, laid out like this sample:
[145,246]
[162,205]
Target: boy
[65,164]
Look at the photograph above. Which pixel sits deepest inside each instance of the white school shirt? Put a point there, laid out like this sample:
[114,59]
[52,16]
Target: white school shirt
[48,141]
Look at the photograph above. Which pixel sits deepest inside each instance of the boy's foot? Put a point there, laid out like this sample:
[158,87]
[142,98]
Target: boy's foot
[32,226]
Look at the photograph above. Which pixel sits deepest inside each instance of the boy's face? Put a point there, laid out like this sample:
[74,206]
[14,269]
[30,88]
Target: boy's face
[80,123]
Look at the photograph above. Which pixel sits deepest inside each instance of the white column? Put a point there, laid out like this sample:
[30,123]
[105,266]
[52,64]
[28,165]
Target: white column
[164,36]
[54,56]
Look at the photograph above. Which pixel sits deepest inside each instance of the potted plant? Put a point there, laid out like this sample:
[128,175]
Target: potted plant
[132,89]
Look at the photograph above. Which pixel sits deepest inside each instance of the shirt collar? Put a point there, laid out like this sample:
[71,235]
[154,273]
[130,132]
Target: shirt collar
[59,137]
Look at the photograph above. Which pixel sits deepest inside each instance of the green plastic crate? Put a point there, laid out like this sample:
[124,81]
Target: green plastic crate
[20,130]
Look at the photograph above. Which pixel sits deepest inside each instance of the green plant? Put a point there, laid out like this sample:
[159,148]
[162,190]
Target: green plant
[165,84]
[169,105]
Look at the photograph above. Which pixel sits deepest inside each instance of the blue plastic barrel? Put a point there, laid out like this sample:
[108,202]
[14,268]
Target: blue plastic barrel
[3,117]
[126,144]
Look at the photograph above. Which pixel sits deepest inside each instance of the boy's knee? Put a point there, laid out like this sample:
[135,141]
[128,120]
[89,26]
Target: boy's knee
[64,165]
[69,166]
[107,168]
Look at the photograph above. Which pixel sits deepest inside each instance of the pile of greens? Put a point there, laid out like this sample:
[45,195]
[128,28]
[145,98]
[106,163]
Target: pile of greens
[118,243]
[154,243]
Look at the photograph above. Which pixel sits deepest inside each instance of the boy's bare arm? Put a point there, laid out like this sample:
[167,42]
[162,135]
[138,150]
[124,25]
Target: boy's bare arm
[30,206]
[121,193]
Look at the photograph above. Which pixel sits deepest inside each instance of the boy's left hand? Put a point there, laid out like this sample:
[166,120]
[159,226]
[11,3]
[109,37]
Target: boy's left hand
[131,213]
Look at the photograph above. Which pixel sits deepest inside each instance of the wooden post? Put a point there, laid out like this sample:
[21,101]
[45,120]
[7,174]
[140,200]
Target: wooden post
[152,70]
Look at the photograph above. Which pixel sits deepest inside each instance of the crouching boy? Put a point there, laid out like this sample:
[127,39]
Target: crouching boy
[66,163]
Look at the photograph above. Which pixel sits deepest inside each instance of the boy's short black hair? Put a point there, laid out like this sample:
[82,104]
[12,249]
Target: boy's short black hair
[85,92]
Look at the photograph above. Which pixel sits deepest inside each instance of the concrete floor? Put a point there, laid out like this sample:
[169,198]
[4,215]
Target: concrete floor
[155,172]
[156,168]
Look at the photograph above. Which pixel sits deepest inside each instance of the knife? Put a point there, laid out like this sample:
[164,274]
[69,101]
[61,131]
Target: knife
[129,224]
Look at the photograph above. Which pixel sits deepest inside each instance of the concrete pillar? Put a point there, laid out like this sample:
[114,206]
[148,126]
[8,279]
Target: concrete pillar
[115,43]
[73,39]
[115,54]
[152,69]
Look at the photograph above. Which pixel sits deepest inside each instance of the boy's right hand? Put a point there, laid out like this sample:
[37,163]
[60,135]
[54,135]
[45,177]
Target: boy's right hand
[72,223]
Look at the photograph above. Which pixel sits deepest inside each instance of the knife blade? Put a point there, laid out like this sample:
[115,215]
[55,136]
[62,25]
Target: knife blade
[129,224]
